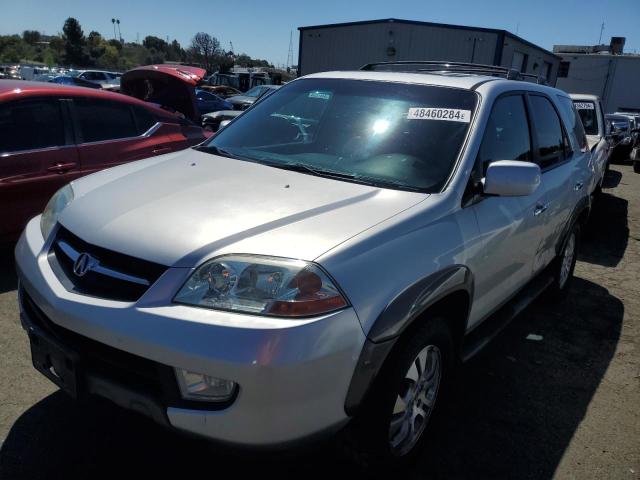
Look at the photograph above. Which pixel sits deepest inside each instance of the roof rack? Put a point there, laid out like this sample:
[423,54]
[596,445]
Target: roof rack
[420,66]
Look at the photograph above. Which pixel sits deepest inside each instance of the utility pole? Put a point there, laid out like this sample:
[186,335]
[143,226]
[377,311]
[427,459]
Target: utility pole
[290,54]
[601,30]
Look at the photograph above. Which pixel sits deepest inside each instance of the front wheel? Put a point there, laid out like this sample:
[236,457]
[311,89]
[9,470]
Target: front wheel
[394,423]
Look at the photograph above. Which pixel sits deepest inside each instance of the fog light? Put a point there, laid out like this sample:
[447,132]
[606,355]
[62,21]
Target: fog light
[197,386]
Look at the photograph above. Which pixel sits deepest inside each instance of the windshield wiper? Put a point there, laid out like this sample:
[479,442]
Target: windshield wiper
[354,177]
[212,149]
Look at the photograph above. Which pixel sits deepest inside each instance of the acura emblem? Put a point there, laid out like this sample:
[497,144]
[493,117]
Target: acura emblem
[83,264]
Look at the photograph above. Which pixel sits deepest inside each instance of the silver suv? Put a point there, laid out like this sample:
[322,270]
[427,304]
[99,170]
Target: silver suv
[320,263]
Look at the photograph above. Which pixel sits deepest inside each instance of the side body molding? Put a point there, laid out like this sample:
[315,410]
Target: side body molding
[395,318]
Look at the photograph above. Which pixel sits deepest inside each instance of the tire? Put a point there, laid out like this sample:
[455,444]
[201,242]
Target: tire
[636,166]
[564,265]
[370,440]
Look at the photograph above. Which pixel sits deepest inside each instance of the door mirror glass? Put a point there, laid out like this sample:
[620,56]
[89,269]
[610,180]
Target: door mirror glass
[508,178]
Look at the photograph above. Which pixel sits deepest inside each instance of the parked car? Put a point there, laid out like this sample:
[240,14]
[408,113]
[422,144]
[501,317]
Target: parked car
[172,87]
[213,121]
[221,90]
[634,125]
[52,134]
[621,126]
[319,264]
[99,77]
[244,101]
[76,81]
[208,102]
[590,110]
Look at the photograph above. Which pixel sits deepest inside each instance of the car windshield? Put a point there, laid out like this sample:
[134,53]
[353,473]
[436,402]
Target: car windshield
[255,92]
[587,111]
[619,122]
[391,135]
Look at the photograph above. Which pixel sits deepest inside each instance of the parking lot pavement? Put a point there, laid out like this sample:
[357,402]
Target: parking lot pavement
[566,406]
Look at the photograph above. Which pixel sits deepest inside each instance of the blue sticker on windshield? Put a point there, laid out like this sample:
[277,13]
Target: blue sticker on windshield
[320,95]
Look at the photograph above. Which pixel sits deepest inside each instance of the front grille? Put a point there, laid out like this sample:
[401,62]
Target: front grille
[113,275]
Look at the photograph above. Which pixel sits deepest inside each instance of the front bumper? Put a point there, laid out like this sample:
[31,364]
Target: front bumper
[293,375]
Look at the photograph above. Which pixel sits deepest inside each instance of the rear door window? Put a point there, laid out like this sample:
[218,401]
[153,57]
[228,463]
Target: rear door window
[548,130]
[31,125]
[506,136]
[101,120]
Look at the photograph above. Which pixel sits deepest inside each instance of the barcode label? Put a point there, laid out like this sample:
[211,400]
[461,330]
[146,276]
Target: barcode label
[447,114]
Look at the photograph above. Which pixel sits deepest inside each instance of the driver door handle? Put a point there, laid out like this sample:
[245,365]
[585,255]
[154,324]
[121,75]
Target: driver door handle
[540,209]
[62,167]
[578,186]
[160,149]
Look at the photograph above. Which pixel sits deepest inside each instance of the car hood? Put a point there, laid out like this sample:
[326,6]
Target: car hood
[241,99]
[223,113]
[180,209]
[172,86]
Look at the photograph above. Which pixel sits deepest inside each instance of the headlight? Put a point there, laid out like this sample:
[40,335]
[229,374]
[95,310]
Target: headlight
[56,205]
[262,285]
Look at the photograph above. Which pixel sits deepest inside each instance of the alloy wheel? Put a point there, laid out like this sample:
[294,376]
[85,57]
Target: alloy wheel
[415,400]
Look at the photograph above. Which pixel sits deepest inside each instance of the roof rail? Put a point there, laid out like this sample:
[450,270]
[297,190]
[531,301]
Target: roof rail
[420,66]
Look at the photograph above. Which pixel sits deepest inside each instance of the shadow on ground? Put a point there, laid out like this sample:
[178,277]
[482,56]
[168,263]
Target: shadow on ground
[512,414]
[605,239]
[8,280]
[612,179]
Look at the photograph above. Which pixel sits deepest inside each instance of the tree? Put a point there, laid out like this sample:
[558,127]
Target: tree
[176,52]
[154,43]
[96,47]
[74,43]
[203,48]
[31,36]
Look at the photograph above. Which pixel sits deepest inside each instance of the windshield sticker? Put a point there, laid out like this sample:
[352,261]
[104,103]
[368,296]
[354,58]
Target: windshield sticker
[320,95]
[448,114]
[584,105]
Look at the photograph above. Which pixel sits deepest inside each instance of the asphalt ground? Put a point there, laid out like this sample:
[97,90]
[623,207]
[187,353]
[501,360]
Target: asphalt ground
[566,406]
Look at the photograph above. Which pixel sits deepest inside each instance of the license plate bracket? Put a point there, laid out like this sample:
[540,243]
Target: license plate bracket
[56,362]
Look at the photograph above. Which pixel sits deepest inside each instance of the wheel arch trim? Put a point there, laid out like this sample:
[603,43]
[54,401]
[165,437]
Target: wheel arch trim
[399,315]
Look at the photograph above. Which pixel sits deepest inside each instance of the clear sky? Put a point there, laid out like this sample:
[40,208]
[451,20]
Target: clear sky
[262,28]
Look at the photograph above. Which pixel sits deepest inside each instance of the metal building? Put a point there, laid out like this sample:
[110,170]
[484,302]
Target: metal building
[602,70]
[348,46]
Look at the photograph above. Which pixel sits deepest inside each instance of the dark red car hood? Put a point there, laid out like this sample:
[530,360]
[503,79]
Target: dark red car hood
[170,86]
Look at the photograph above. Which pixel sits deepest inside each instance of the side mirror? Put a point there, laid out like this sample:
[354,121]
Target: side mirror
[509,178]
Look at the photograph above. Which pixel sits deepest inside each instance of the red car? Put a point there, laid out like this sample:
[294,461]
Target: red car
[51,134]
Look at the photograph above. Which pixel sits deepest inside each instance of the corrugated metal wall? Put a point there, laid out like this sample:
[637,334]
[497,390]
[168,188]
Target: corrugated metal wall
[349,47]
[613,78]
